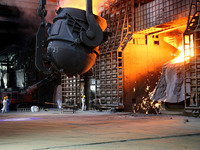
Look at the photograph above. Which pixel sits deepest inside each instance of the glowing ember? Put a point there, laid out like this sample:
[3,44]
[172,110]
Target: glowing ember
[147,106]
[157,105]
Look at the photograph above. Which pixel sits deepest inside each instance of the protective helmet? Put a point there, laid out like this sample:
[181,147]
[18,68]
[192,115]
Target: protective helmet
[84,96]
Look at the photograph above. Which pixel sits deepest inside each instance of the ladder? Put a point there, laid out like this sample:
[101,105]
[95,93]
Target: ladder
[126,35]
[109,66]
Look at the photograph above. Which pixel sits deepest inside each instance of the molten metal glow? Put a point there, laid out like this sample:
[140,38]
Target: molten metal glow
[81,4]
[189,50]
[179,58]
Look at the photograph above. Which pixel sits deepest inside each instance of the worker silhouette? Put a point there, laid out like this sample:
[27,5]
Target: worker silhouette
[83,103]
[8,104]
[4,109]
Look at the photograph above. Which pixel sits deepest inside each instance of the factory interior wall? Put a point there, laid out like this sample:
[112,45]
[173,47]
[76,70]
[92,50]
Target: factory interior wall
[142,67]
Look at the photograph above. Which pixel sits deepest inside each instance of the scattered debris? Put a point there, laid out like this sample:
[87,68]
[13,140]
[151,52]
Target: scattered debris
[147,106]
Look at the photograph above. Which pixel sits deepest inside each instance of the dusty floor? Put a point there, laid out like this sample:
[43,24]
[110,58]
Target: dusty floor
[92,130]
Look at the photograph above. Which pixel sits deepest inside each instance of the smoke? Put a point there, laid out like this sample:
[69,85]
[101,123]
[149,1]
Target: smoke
[20,78]
[28,8]
[28,16]
[58,96]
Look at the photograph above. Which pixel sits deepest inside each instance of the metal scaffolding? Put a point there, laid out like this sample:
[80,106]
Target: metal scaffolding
[192,59]
[71,92]
[109,66]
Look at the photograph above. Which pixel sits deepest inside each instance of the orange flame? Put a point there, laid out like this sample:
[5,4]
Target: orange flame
[189,50]
[179,58]
[81,4]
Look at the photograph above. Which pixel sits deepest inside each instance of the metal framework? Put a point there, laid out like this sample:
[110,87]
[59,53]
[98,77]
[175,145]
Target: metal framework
[192,59]
[71,89]
[109,66]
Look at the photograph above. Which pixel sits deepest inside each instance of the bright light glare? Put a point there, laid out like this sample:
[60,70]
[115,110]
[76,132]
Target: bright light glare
[189,50]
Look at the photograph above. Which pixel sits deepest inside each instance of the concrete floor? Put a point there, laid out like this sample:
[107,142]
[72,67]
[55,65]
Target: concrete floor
[92,130]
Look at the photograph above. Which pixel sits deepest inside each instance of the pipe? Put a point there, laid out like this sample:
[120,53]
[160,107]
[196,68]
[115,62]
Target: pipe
[89,7]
